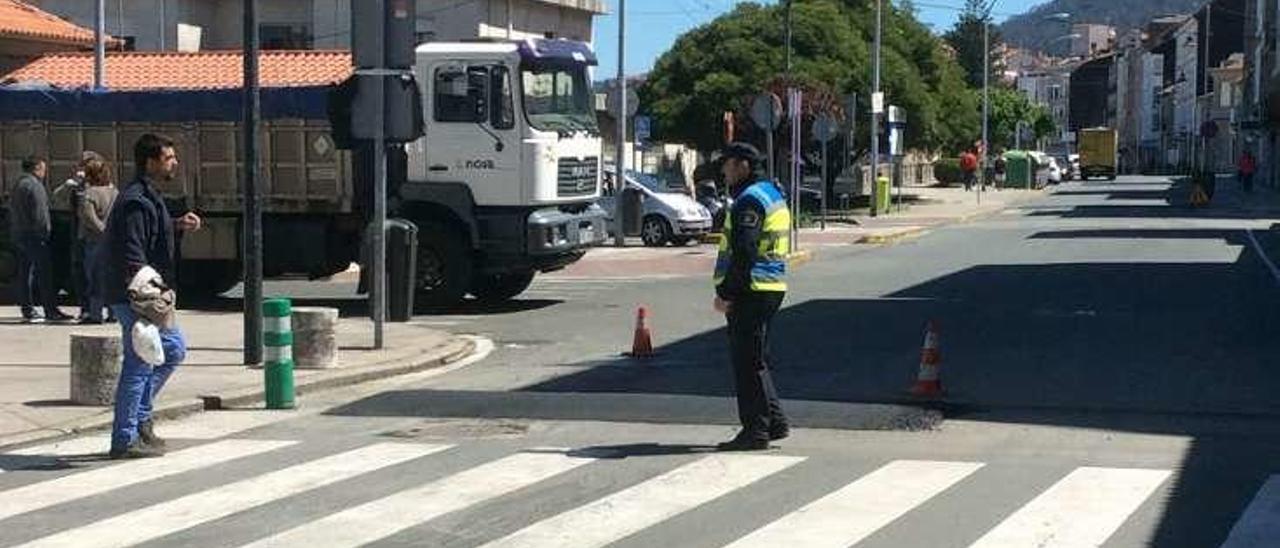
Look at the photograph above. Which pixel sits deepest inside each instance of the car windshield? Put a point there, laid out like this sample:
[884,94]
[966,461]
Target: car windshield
[651,182]
[558,98]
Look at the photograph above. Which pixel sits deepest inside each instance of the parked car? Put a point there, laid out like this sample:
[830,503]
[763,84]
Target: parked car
[1069,172]
[668,216]
[1074,159]
[1053,170]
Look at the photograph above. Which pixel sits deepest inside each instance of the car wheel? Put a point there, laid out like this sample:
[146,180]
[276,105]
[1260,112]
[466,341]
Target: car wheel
[494,288]
[655,232]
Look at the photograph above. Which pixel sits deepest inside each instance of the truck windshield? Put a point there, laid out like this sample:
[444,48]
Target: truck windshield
[558,98]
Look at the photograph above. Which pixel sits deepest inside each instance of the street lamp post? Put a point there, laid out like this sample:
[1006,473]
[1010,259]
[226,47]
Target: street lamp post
[875,116]
[620,158]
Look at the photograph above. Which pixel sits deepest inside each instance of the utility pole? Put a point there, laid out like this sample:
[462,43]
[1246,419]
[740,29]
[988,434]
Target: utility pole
[875,115]
[788,23]
[1208,34]
[620,157]
[252,244]
[99,43]
[986,99]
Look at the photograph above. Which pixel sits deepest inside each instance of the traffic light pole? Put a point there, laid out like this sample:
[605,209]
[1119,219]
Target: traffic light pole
[252,300]
[620,158]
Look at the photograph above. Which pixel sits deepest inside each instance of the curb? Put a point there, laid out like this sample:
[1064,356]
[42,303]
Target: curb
[711,238]
[453,350]
[893,237]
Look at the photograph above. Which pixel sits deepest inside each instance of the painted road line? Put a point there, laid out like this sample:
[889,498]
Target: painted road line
[1275,272]
[623,513]
[175,515]
[106,478]
[861,508]
[1082,509]
[1260,523]
[387,516]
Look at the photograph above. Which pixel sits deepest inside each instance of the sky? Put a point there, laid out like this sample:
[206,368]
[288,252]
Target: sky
[653,25]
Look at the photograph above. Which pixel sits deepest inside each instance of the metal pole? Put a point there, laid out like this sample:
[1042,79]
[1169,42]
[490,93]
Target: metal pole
[875,118]
[986,101]
[768,145]
[510,16]
[380,216]
[1208,33]
[788,23]
[99,43]
[164,24]
[252,301]
[823,222]
[620,158]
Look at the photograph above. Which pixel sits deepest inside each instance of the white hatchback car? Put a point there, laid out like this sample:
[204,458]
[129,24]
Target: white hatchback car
[668,217]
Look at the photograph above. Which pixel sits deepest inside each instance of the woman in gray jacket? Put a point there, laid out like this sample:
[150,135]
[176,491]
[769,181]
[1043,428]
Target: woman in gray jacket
[99,195]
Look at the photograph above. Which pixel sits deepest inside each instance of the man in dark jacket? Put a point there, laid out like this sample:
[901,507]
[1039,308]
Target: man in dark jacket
[140,233]
[30,229]
[750,278]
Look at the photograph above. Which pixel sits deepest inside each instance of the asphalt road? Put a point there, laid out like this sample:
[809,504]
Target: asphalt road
[1105,354]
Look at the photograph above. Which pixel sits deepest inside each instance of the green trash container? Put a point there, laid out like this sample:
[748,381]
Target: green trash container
[1019,169]
[884,194]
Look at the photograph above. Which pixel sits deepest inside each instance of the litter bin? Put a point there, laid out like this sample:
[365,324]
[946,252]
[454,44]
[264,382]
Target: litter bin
[402,269]
[632,211]
[1019,169]
[883,194]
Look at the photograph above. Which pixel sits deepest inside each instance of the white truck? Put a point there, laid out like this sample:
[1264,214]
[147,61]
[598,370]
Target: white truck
[502,186]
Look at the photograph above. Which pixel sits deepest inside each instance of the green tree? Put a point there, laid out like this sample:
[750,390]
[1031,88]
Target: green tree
[1009,109]
[719,66]
[967,40]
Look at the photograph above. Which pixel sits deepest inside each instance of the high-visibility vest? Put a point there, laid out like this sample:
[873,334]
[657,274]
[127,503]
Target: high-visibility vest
[769,273]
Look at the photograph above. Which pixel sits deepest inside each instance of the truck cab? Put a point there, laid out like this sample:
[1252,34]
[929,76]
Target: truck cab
[503,184]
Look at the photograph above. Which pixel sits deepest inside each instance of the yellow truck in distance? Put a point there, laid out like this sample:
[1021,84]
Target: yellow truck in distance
[1097,147]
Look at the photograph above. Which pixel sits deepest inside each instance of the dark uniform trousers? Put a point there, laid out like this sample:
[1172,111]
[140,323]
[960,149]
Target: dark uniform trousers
[750,317]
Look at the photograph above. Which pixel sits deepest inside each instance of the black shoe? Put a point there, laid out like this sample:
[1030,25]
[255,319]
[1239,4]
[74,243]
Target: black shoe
[60,317]
[138,450]
[744,443]
[33,319]
[147,434]
[779,432]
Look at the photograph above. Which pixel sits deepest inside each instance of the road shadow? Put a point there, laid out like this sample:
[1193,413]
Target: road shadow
[351,307]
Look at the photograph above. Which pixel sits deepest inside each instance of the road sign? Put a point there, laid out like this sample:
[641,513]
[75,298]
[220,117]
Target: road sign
[643,126]
[766,111]
[825,128]
[877,102]
[611,101]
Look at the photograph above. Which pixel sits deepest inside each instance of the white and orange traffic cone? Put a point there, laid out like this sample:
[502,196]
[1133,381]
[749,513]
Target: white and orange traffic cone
[929,380]
[642,341]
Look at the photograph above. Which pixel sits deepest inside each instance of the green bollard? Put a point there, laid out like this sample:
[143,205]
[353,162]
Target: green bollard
[277,342]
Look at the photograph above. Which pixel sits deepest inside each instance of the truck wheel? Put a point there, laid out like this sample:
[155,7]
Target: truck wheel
[655,232]
[204,281]
[443,267]
[492,288]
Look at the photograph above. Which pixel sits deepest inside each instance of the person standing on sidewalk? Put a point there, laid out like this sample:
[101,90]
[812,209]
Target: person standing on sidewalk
[1248,165]
[70,195]
[140,234]
[969,165]
[99,195]
[31,230]
[750,279]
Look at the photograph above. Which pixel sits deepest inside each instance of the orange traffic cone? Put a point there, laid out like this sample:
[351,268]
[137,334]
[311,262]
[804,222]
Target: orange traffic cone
[929,380]
[641,342]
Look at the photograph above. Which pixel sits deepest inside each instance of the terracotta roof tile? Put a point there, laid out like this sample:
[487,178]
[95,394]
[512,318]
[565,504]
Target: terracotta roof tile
[188,70]
[19,19]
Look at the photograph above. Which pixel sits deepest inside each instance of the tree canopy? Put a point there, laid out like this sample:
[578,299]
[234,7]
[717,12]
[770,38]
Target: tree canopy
[719,66]
[967,40]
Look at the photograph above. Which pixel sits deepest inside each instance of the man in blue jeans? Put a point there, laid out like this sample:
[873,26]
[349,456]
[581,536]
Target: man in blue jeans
[140,233]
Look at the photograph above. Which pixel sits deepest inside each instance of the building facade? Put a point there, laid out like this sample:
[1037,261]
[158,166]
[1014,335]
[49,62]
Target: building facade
[322,24]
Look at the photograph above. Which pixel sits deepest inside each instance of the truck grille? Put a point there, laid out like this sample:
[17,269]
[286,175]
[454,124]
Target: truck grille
[577,177]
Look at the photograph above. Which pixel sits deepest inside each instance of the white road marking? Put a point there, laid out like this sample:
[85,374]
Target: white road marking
[857,510]
[387,516]
[618,515]
[170,517]
[1083,509]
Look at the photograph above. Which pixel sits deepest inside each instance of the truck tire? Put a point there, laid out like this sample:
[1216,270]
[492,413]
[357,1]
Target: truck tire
[493,288]
[204,281]
[444,265]
[655,232]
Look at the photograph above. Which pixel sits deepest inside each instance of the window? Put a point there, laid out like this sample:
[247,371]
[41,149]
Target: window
[501,106]
[460,94]
[276,36]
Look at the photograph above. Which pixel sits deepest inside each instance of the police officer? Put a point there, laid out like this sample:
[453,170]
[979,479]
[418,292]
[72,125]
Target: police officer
[750,280]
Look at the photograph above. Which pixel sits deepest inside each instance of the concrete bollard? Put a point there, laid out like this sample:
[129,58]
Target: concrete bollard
[315,337]
[95,368]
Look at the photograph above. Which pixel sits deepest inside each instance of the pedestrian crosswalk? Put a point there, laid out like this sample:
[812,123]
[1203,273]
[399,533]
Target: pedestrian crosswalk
[369,491]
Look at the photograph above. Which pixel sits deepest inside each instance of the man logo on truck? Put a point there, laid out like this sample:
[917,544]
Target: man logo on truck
[479,164]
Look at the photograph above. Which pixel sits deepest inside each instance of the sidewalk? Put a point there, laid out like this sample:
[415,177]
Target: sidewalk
[928,208]
[35,376]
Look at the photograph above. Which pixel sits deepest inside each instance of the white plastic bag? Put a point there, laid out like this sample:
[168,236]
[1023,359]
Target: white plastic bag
[146,342]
